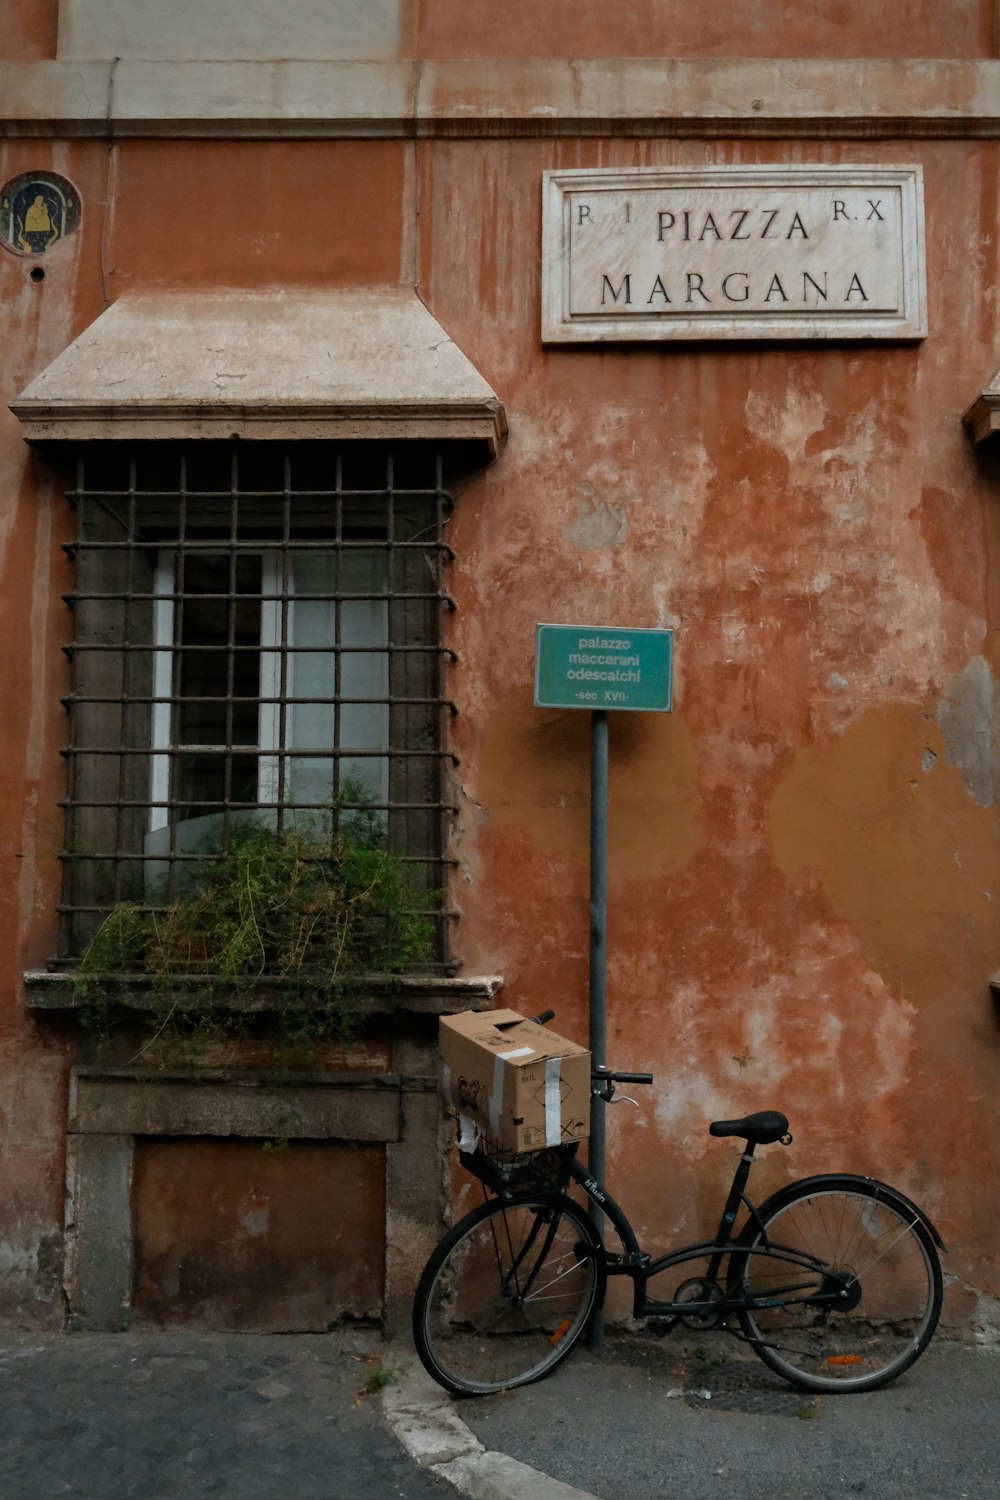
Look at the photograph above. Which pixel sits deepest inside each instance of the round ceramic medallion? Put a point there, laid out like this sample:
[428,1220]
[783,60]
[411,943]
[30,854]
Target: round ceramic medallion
[38,210]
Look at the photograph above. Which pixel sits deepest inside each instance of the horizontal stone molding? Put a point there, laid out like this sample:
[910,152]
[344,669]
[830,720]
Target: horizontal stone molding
[411,994]
[982,420]
[869,98]
[346,1107]
[485,422]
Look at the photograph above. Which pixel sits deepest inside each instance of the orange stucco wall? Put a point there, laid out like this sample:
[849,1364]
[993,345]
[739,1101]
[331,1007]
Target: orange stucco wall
[804,855]
[803,884]
[747,28]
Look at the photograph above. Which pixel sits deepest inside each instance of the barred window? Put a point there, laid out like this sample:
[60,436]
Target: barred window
[257,637]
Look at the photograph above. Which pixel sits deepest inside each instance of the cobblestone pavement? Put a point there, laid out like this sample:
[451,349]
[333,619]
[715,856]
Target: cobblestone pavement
[170,1416]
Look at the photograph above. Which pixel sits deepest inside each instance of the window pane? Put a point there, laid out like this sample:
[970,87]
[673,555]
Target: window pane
[321,669]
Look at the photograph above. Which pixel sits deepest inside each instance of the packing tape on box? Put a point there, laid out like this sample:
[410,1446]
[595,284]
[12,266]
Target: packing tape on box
[496,1097]
[469,1130]
[553,1103]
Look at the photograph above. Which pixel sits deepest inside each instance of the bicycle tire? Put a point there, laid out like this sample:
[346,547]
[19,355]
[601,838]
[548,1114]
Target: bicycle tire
[858,1241]
[507,1293]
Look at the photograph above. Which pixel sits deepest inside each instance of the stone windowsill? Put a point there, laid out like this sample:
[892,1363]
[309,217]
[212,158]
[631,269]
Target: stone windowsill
[411,994]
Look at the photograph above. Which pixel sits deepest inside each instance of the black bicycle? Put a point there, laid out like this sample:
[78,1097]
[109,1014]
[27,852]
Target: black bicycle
[834,1281]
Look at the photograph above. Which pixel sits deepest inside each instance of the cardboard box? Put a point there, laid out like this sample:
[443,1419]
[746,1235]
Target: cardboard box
[526,1087]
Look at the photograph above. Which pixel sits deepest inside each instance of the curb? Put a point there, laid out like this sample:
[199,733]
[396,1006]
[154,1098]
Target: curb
[426,1423]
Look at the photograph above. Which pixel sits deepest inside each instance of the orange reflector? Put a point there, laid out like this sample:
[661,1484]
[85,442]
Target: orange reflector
[845,1359]
[561,1331]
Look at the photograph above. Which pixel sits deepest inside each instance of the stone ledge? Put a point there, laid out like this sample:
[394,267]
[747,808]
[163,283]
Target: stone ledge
[411,994]
[192,1102]
[982,420]
[867,98]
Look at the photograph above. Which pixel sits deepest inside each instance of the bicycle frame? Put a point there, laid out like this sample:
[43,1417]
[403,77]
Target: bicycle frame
[641,1267]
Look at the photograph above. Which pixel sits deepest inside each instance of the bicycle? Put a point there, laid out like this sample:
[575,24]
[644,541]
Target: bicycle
[834,1281]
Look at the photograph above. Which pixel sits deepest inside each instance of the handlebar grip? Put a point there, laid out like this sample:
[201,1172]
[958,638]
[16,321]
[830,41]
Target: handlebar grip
[546,1015]
[616,1077]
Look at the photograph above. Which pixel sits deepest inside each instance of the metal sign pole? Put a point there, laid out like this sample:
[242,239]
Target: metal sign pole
[581,666]
[598,963]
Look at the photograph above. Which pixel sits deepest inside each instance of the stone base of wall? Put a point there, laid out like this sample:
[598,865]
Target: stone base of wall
[195,1239]
[259,1200]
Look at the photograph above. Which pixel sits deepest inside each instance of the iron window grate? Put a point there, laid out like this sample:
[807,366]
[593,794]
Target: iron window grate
[258,636]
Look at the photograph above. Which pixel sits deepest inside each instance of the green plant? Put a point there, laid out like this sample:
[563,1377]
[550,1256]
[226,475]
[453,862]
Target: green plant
[305,911]
[378,1379]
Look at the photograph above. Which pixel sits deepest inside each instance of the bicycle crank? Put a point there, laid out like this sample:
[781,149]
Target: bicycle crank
[706,1299]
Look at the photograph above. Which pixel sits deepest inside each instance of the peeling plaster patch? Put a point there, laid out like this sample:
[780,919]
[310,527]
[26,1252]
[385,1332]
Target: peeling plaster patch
[787,425]
[837,683]
[553,449]
[850,493]
[691,1100]
[892,1043]
[760,1030]
[831,1029]
[34,1271]
[968,716]
[986,1320]
[778,1049]
[599,523]
[785,1041]
[15,1260]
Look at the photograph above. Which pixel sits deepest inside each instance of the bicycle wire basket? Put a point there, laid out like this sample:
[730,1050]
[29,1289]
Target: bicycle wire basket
[508,1172]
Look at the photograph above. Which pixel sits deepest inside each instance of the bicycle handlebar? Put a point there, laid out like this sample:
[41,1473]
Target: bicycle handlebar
[543,1017]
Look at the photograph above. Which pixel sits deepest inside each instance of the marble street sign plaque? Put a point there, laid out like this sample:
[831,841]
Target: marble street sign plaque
[779,252]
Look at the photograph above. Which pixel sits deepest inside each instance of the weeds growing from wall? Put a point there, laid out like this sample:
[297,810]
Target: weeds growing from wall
[286,924]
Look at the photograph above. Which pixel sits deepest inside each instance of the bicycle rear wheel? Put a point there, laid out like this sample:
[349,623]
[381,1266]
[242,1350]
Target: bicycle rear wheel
[855,1279]
[507,1293]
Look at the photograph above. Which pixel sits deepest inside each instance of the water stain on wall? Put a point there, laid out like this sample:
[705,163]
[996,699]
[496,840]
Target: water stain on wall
[534,775]
[896,846]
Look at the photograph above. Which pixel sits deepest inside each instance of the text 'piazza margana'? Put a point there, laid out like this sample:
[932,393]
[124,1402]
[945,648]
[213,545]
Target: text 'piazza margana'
[734,253]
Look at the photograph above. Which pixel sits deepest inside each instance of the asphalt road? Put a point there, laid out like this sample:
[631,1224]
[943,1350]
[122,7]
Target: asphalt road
[647,1420]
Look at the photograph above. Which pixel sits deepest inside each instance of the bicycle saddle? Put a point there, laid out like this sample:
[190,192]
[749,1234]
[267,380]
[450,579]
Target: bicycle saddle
[762,1128]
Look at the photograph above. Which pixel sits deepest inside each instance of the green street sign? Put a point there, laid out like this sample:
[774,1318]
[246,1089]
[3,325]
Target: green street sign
[591,666]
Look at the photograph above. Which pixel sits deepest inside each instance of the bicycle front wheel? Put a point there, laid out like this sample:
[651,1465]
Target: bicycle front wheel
[506,1294]
[853,1280]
